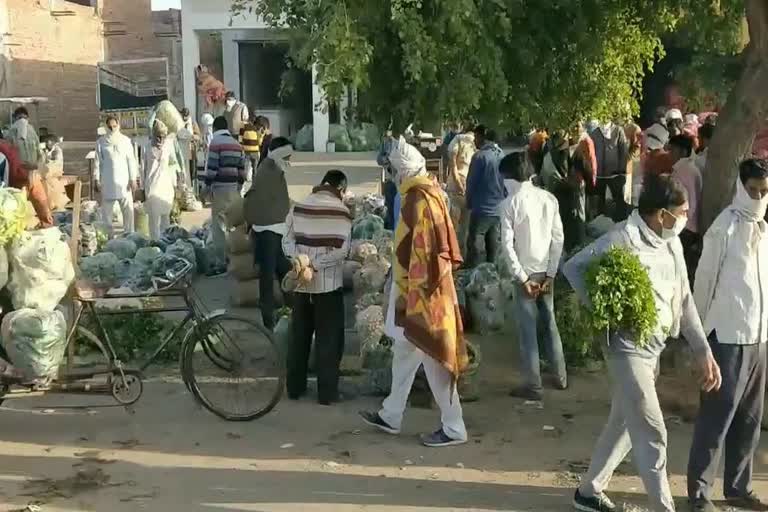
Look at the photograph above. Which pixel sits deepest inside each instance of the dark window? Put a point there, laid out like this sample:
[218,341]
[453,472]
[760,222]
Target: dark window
[261,71]
[86,3]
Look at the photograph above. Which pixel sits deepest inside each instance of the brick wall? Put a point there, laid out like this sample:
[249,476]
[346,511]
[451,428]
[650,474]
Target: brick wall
[56,56]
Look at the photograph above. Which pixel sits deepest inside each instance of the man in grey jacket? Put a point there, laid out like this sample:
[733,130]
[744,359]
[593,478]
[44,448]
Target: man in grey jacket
[611,150]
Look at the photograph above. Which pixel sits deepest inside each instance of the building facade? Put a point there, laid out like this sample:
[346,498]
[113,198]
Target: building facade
[250,59]
[52,49]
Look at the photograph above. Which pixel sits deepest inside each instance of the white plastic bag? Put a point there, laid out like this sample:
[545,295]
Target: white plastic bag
[3,267]
[41,269]
[35,341]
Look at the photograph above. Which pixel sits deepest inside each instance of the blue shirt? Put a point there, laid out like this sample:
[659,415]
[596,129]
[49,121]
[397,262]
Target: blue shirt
[485,187]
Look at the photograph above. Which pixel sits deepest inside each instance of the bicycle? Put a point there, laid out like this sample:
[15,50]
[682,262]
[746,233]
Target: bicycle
[210,346]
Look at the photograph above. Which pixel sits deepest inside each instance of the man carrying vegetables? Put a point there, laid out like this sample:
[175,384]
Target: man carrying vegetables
[731,290]
[653,304]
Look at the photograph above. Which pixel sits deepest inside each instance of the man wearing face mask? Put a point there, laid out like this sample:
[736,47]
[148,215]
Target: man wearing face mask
[236,114]
[422,314]
[636,421]
[116,174]
[23,135]
[266,207]
[162,173]
[730,292]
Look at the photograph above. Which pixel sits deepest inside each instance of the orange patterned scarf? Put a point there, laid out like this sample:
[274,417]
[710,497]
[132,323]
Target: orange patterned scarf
[426,251]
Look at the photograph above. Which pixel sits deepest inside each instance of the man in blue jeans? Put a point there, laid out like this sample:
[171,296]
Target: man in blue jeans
[485,191]
[532,241]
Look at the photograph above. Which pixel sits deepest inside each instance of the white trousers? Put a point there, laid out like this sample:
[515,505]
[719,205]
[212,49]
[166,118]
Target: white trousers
[158,216]
[126,207]
[406,360]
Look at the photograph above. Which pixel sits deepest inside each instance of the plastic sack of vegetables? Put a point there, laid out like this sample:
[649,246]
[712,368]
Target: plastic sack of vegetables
[372,276]
[3,267]
[166,112]
[41,269]
[360,250]
[338,134]
[138,239]
[35,341]
[305,138]
[358,138]
[485,298]
[367,227]
[100,268]
[121,247]
[13,214]
[183,249]
[284,330]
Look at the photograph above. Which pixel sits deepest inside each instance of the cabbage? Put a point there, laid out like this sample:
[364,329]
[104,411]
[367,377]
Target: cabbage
[367,227]
[100,268]
[147,255]
[184,250]
[13,214]
[121,247]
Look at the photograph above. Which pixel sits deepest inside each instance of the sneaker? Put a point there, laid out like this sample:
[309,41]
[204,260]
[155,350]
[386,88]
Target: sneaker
[599,503]
[749,502]
[439,439]
[527,393]
[702,505]
[374,420]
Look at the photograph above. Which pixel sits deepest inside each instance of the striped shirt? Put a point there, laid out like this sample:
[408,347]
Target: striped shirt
[322,231]
[226,160]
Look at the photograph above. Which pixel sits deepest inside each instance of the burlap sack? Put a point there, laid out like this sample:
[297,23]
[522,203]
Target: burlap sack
[242,267]
[239,242]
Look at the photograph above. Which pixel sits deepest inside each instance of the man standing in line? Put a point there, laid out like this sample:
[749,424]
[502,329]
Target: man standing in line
[263,126]
[611,150]
[685,171]
[162,174]
[422,314]
[266,207]
[389,187]
[730,293]
[225,178]
[532,242]
[236,114]
[485,191]
[320,229]
[657,160]
[116,174]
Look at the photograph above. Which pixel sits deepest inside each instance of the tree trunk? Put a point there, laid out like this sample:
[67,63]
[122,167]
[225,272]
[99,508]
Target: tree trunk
[743,115]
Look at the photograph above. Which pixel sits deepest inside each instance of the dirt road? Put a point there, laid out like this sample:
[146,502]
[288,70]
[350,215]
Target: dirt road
[171,456]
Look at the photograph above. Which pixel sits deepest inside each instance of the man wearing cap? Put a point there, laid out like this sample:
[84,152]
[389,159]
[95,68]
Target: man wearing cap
[236,114]
[657,159]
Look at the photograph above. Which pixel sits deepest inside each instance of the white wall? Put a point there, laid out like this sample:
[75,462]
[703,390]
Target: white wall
[215,15]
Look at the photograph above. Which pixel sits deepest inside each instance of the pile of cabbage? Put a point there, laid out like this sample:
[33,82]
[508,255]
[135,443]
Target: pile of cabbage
[132,260]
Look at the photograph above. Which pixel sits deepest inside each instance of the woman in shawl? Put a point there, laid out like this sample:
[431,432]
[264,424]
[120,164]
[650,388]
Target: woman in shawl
[423,314]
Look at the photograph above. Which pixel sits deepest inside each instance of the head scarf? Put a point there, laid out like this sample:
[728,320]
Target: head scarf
[22,127]
[407,161]
[750,210]
[673,113]
[280,155]
[656,137]
[159,131]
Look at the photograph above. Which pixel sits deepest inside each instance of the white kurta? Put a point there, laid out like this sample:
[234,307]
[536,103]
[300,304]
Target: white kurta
[160,168]
[115,166]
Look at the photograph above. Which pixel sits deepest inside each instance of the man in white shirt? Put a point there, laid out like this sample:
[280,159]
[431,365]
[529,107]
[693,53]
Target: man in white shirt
[730,293]
[116,174]
[532,243]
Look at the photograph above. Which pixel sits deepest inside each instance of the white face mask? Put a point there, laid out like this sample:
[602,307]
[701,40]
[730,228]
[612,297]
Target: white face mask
[754,208]
[231,103]
[680,223]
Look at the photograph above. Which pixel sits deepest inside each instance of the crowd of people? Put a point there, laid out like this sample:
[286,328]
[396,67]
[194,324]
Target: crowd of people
[528,210]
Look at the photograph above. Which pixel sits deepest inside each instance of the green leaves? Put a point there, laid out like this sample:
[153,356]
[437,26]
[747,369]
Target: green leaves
[511,63]
[621,295]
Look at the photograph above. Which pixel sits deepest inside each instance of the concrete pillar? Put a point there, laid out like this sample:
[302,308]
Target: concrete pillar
[190,60]
[230,58]
[320,119]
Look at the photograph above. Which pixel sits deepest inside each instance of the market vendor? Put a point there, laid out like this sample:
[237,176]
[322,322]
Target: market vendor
[636,421]
[426,329]
[25,176]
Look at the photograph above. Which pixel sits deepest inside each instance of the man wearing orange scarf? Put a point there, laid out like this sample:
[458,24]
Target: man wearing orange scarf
[423,314]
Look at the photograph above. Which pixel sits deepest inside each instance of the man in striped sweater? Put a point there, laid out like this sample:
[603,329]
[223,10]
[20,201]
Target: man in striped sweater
[318,231]
[224,177]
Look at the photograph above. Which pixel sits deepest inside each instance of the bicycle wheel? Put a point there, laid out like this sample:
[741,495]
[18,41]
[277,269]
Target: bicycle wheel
[245,378]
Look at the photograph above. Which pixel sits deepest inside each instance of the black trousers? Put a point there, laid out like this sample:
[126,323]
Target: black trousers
[268,254]
[390,191]
[484,239]
[616,185]
[321,314]
[692,246]
[729,422]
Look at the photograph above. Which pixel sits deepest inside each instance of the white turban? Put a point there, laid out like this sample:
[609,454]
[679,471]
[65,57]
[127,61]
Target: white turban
[407,160]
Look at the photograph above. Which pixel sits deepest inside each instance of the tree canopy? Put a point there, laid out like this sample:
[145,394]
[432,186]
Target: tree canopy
[513,63]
